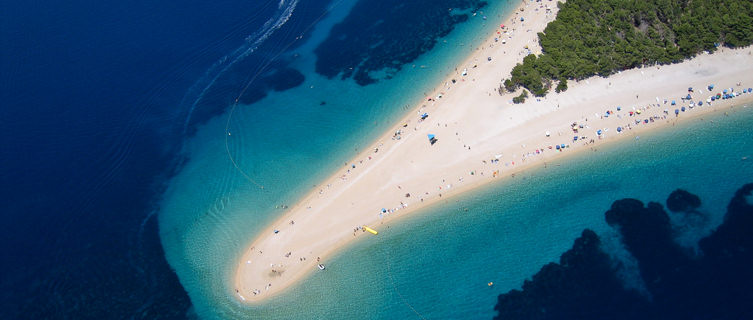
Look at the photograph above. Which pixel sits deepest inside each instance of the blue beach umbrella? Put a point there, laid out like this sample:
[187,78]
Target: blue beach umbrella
[562,146]
[432,139]
[711,87]
[673,102]
[598,132]
[683,109]
[557,147]
[619,129]
[677,111]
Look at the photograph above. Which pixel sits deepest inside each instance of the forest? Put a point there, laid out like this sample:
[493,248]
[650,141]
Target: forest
[601,37]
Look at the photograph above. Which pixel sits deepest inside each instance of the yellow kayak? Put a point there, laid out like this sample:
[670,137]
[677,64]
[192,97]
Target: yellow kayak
[370,230]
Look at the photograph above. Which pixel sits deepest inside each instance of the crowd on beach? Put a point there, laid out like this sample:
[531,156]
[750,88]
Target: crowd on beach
[588,131]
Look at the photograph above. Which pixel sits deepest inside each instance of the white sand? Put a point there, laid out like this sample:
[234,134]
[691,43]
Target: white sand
[474,125]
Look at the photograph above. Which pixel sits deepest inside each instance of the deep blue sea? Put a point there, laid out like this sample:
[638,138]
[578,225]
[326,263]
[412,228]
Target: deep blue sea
[95,97]
[145,144]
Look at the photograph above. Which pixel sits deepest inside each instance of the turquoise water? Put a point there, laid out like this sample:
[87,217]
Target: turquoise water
[436,263]
[213,209]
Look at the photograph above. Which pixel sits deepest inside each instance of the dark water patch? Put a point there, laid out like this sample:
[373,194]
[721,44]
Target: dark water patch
[583,285]
[683,201]
[385,35]
[267,68]
[284,79]
[276,76]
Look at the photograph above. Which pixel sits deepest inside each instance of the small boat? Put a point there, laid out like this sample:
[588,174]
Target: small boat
[321,267]
[490,284]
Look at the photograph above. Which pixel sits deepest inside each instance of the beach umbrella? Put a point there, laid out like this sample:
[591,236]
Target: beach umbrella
[598,132]
[575,138]
[690,89]
[548,133]
[557,147]
[683,109]
[619,108]
[677,111]
[673,102]
[688,96]
[713,98]
[711,87]
[700,103]
[562,146]
[724,91]
[750,89]
[431,136]
[619,129]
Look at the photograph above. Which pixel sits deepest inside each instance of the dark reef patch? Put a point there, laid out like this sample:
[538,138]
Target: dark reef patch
[366,42]
[266,69]
[584,285]
[237,83]
[682,201]
[284,79]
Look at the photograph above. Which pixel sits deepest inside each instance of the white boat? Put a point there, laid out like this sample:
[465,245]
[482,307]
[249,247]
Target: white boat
[321,267]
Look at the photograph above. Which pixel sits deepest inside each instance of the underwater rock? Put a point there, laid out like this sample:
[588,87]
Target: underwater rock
[583,285]
[682,201]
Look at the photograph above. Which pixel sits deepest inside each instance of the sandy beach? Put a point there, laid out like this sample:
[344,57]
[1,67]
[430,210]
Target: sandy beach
[481,137]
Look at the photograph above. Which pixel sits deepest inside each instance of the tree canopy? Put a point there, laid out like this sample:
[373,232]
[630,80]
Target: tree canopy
[601,37]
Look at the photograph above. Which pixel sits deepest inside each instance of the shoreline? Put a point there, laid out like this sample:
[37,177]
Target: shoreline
[406,169]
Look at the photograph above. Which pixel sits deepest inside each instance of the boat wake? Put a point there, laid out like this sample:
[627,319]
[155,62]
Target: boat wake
[251,44]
